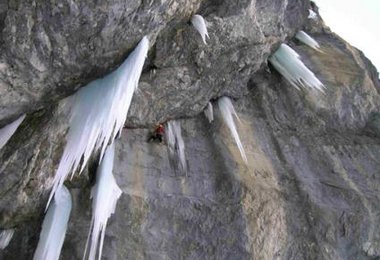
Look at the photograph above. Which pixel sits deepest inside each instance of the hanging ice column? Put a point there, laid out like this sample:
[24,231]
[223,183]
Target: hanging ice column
[176,144]
[104,195]
[209,112]
[54,226]
[7,131]
[200,25]
[99,113]
[308,40]
[287,62]
[228,111]
[6,237]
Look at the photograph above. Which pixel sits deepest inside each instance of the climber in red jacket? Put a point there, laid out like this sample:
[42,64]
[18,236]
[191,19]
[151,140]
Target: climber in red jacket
[158,133]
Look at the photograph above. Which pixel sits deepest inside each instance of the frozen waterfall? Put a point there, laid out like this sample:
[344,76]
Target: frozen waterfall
[287,62]
[227,111]
[104,195]
[99,113]
[54,226]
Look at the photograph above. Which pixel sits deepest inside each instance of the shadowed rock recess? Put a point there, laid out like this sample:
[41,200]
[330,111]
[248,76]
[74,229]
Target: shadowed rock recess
[311,187]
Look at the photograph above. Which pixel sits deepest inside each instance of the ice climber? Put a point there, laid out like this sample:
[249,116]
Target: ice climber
[157,134]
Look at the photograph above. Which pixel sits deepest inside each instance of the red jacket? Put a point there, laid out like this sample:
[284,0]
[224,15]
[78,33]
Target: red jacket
[160,129]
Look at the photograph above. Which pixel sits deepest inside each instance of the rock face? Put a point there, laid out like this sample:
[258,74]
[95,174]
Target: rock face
[310,189]
[52,49]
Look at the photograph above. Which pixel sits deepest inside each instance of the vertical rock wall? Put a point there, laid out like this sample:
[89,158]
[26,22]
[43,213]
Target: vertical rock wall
[310,189]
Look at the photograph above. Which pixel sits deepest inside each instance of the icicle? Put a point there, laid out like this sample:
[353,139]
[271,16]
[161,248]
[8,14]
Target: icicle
[104,195]
[312,15]
[99,113]
[308,40]
[6,237]
[209,112]
[170,138]
[54,226]
[200,25]
[227,110]
[7,131]
[287,62]
[175,143]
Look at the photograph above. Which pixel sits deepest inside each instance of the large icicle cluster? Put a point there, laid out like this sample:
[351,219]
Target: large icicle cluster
[209,112]
[227,111]
[104,195]
[200,25]
[7,131]
[308,40]
[54,226]
[287,62]
[176,144]
[6,237]
[99,113]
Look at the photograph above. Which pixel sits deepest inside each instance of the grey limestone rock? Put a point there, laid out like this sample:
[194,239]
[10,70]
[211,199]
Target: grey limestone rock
[310,189]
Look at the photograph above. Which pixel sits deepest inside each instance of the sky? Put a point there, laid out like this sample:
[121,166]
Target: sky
[356,21]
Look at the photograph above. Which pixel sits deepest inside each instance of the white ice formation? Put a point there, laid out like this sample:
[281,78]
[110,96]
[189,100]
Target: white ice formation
[54,226]
[176,144]
[227,111]
[312,15]
[209,112]
[6,237]
[104,195]
[200,25]
[7,131]
[308,40]
[288,63]
[99,113]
